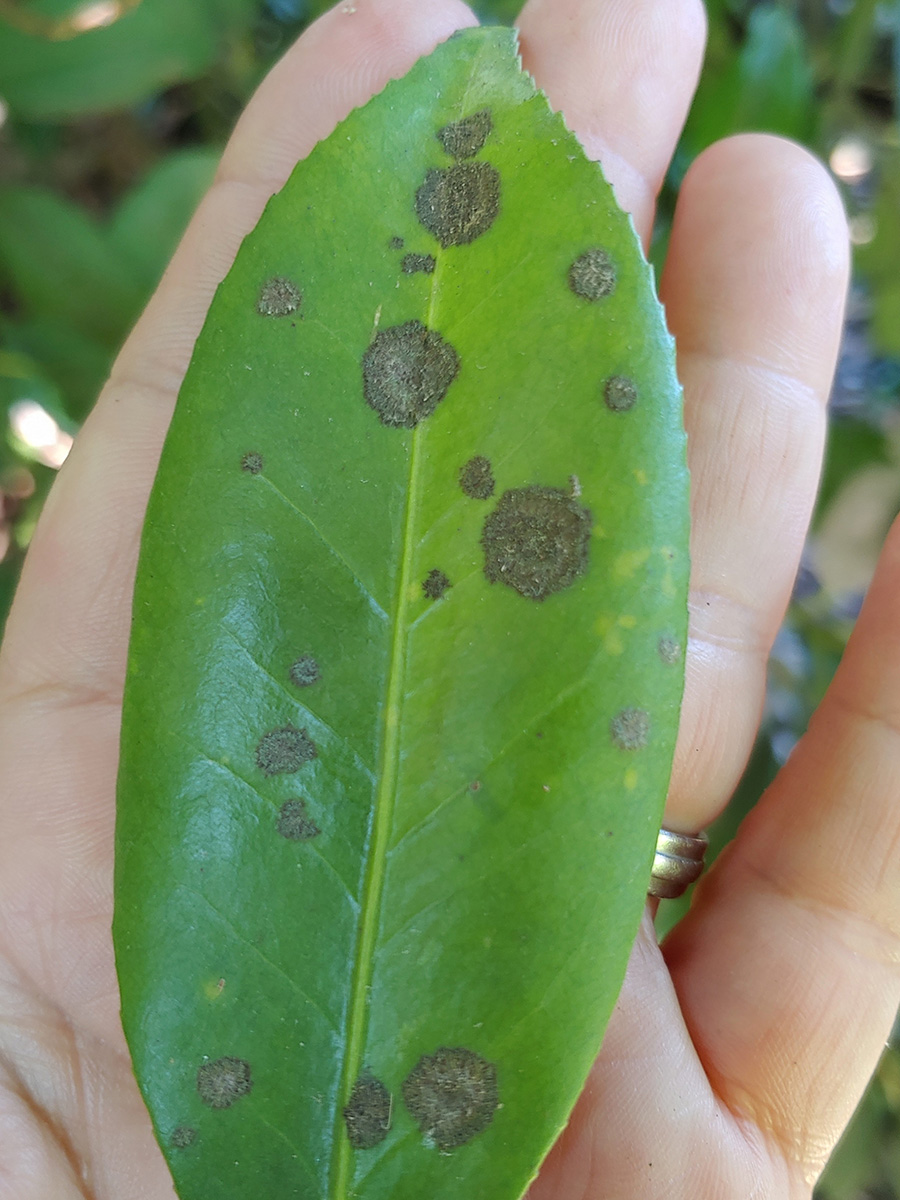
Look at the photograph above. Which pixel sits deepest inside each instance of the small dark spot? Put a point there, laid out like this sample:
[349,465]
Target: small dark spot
[396,243]
[630,729]
[423,264]
[592,275]
[183,1136]
[295,823]
[282,751]
[252,463]
[477,479]
[451,1095]
[536,541]
[459,204]
[278,298]
[435,584]
[367,1113]
[407,372]
[475,785]
[224,1081]
[305,671]
[463,139]
[669,650]
[620,394]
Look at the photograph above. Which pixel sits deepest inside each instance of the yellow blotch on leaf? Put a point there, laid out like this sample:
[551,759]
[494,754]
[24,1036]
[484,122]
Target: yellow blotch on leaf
[631,779]
[628,564]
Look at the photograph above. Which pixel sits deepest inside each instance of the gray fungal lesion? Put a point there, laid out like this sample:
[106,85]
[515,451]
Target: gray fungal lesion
[223,1082]
[476,478]
[435,584]
[418,264]
[452,1096]
[252,462]
[669,650]
[460,203]
[294,822]
[278,297]
[183,1136]
[305,671]
[407,372]
[465,138]
[368,1112]
[620,394]
[285,750]
[593,275]
[537,541]
[396,243]
[630,729]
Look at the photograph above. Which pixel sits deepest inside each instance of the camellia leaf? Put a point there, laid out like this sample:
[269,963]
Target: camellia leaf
[406,661]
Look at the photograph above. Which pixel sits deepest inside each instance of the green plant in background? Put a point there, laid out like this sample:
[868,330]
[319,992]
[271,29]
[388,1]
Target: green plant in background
[112,127]
[369,694]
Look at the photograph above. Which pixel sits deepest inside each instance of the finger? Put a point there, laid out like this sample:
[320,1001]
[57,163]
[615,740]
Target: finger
[787,965]
[754,288]
[69,622]
[63,658]
[623,74]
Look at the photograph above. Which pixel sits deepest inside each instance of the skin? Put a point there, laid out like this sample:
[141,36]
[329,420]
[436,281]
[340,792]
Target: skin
[739,1049]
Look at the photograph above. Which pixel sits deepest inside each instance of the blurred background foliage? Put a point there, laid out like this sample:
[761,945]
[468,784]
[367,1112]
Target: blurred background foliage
[112,117]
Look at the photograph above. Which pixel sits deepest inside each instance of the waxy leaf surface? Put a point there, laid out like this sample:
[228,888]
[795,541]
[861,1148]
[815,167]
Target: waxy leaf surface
[406,661]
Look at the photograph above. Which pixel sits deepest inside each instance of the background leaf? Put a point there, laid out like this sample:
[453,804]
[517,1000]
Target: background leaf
[372,851]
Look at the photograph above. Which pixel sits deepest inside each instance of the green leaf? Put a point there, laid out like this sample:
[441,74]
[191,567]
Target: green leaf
[877,259]
[149,222]
[62,266]
[158,43]
[406,660]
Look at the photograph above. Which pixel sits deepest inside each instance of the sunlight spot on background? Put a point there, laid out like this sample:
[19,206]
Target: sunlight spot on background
[96,15]
[851,159]
[863,228]
[34,426]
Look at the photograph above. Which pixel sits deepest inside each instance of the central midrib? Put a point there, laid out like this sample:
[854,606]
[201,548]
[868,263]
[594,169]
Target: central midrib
[385,796]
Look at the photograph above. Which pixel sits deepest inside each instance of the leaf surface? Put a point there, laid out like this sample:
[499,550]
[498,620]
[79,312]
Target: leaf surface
[406,660]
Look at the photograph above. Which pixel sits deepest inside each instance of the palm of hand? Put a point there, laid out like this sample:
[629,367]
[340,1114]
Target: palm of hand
[736,1054]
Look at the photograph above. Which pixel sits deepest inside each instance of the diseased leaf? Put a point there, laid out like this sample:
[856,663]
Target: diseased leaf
[406,661]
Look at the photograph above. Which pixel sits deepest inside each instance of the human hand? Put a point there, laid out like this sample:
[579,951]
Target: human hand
[736,1053]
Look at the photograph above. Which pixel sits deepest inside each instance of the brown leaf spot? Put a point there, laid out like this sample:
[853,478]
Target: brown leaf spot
[367,1113]
[283,751]
[477,479]
[592,275]
[224,1081]
[464,139]
[452,1096]
[278,298]
[458,204]
[407,372]
[536,541]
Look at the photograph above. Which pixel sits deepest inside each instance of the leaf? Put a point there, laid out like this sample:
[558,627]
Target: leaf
[150,220]
[158,43]
[406,660]
[62,266]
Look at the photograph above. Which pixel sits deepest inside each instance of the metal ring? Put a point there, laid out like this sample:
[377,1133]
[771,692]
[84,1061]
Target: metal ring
[677,864]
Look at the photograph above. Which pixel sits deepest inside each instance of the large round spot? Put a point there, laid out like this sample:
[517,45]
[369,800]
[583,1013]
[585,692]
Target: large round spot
[294,822]
[407,371]
[367,1113]
[592,275]
[537,541]
[630,729]
[224,1081]
[463,139]
[451,1095]
[458,204]
[283,751]
[476,478]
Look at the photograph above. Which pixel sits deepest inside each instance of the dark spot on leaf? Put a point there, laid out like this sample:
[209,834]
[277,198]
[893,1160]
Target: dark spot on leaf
[459,204]
[451,1095]
[224,1081]
[252,463]
[418,263]
[669,650]
[183,1136]
[477,479]
[305,671]
[536,540]
[620,394]
[463,139]
[367,1113]
[396,243]
[630,729]
[475,785]
[295,823]
[282,751]
[278,298]
[592,275]
[407,371]
[435,584]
